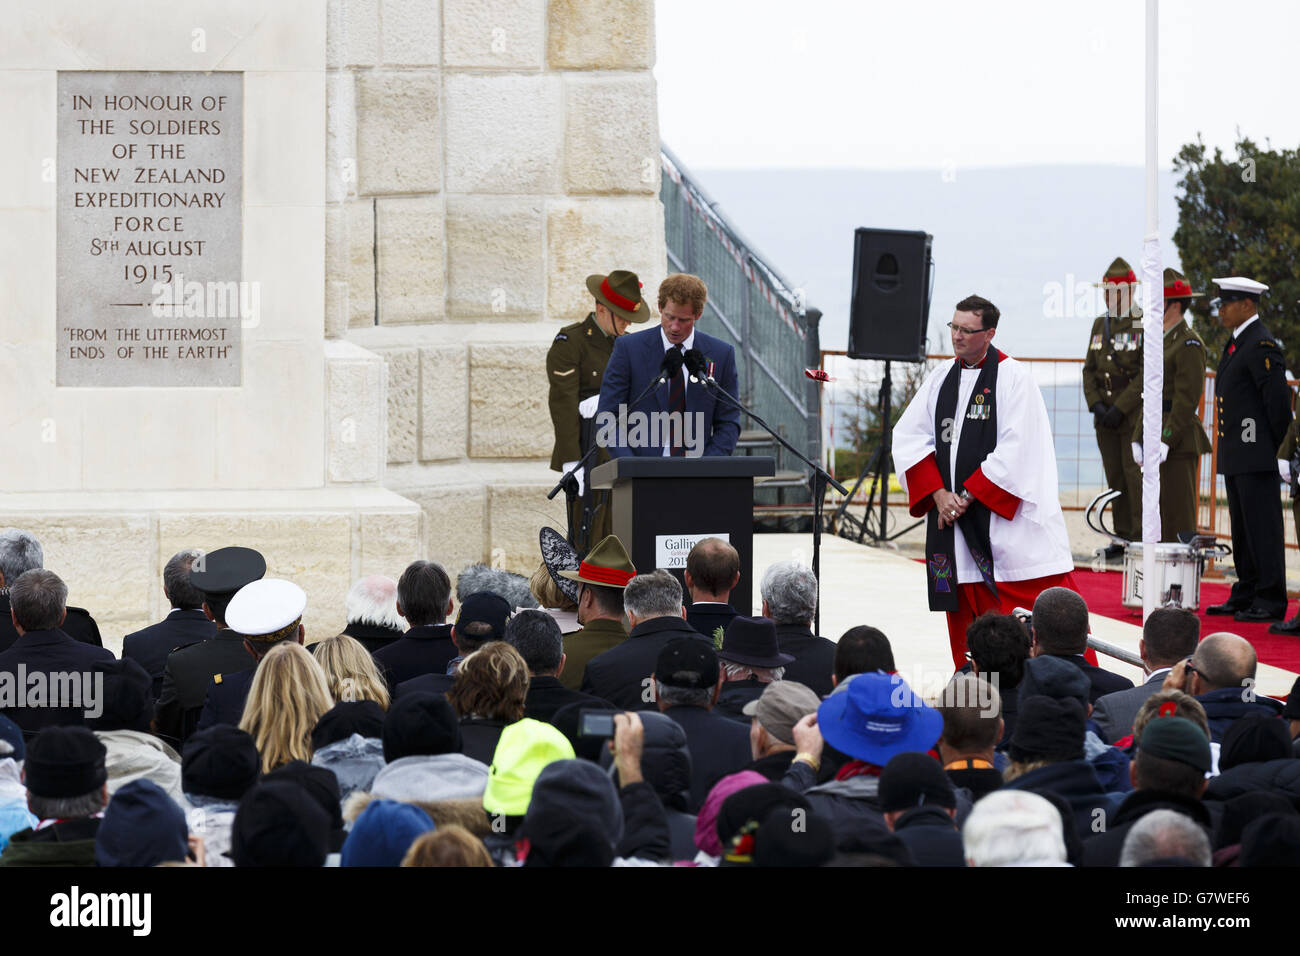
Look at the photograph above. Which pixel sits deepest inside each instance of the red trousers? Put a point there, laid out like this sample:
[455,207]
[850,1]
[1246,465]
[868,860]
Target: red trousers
[976,599]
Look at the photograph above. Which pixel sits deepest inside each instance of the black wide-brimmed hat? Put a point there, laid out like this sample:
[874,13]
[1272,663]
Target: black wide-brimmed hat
[752,641]
[558,555]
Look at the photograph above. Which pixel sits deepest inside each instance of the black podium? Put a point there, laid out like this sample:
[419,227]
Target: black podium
[663,505]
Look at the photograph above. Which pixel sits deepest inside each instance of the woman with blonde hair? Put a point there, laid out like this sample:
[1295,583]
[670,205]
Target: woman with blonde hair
[489,693]
[287,697]
[350,671]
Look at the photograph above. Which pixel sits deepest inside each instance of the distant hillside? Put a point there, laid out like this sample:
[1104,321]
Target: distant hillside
[1003,233]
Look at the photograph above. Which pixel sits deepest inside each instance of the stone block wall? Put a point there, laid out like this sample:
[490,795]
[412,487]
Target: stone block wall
[483,157]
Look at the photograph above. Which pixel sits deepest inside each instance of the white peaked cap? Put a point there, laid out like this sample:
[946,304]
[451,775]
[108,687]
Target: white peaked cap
[265,606]
[1240,284]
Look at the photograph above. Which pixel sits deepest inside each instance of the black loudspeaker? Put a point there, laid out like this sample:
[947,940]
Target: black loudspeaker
[891,294]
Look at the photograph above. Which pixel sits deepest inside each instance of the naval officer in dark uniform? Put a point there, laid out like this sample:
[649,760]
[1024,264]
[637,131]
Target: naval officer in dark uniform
[1182,439]
[219,575]
[575,367]
[264,613]
[1288,466]
[1253,404]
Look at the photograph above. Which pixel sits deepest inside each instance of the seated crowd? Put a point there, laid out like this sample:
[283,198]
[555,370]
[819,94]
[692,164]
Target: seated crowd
[593,716]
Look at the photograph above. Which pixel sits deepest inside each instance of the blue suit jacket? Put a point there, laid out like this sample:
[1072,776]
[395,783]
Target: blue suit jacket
[635,363]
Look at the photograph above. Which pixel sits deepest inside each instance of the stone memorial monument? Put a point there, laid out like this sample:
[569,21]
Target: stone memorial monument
[283,274]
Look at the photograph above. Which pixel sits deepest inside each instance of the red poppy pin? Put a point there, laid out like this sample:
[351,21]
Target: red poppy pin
[1232,348]
[1168,709]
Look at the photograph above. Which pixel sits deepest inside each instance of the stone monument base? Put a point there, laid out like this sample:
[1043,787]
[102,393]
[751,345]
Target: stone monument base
[110,548]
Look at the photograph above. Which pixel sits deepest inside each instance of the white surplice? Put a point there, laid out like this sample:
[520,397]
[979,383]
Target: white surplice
[1034,542]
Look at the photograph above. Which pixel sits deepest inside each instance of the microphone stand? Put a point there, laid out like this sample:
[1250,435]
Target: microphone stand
[569,483]
[819,480]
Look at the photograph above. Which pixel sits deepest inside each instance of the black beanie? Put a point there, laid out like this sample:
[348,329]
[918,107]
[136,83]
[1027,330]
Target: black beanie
[65,762]
[421,725]
[220,761]
[348,717]
[913,779]
[1048,729]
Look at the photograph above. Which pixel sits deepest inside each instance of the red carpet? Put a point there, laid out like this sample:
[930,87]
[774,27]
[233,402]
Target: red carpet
[1104,590]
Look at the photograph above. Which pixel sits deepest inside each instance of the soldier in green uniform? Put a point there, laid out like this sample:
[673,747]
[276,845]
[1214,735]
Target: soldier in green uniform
[1112,389]
[575,366]
[1182,439]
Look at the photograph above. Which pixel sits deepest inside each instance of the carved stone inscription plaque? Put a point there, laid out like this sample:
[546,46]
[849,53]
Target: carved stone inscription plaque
[150,219]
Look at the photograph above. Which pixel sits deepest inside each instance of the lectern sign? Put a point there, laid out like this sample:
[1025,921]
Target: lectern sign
[671,550]
[150,220]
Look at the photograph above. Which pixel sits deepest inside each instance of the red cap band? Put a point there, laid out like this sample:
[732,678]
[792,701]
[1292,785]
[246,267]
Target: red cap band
[612,576]
[1117,280]
[617,299]
[1178,290]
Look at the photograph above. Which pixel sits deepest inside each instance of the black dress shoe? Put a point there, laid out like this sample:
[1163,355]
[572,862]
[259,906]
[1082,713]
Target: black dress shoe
[1113,553]
[1290,627]
[1255,615]
[1226,608]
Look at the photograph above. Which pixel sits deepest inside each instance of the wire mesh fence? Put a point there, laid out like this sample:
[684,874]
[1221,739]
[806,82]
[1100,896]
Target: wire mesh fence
[1078,463]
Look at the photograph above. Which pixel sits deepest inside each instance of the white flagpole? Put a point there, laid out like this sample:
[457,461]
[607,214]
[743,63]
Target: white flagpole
[1152,325]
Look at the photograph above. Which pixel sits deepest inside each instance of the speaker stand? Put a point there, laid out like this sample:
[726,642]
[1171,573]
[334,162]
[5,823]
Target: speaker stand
[878,468]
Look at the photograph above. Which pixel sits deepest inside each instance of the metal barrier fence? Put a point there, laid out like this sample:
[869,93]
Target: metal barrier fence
[1078,463]
[754,309]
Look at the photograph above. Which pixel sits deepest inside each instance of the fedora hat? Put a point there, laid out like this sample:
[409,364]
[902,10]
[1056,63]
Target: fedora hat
[1177,287]
[620,292]
[752,641]
[606,565]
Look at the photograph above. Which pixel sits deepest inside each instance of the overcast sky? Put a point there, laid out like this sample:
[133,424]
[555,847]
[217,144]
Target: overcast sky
[946,84]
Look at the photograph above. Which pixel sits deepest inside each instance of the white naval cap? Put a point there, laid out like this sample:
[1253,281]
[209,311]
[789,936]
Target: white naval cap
[262,608]
[1240,284]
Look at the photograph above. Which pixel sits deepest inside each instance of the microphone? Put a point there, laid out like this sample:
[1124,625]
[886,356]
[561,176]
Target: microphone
[697,366]
[671,365]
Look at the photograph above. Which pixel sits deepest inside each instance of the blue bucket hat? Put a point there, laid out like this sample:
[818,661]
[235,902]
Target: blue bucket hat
[877,717]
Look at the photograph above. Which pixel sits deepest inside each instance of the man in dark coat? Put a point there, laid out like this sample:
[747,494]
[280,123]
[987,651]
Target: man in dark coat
[537,638]
[424,600]
[621,675]
[789,591]
[1221,676]
[1168,774]
[751,660]
[1060,629]
[686,684]
[67,791]
[1169,635]
[185,623]
[482,619]
[20,552]
[37,610]
[1051,732]
[218,575]
[919,805]
[999,647]
[1254,411]
[712,573]
[265,613]
[373,619]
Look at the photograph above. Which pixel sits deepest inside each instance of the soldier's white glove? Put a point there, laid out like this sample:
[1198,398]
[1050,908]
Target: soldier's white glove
[1137,453]
[569,466]
[1284,469]
[1164,452]
[587,407]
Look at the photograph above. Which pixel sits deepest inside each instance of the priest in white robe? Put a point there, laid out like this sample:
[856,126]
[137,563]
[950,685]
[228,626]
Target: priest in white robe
[974,452]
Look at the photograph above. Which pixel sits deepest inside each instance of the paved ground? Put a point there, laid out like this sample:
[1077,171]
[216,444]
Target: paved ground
[885,587]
